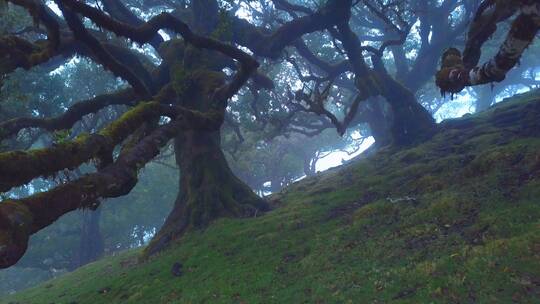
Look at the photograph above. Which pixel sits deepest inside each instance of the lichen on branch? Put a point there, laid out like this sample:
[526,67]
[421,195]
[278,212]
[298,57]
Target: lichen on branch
[458,72]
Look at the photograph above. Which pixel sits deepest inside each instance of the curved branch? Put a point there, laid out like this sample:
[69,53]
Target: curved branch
[118,11]
[99,51]
[68,118]
[483,27]
[16,52]
[454,75]
[20,167]
[21,218]
[271,45]
[333,70]
[145,32]
[285,5]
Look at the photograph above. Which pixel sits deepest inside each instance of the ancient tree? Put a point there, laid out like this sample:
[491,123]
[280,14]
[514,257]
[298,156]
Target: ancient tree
[212,56]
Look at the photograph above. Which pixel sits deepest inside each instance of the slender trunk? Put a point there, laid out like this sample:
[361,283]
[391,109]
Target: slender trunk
[276,184]
[310,162]
[91,246]
[485,98]
[208,189]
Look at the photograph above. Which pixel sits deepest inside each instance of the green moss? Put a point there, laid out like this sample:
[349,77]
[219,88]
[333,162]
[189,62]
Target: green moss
[181,79]
[454,220]
[20,167]
[130,121]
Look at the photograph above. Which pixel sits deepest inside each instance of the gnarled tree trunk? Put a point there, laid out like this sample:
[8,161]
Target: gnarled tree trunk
[412,123]
[208,189]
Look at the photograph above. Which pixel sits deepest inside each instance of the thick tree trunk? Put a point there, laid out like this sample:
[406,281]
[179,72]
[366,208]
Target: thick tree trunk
[412,123]
[91,243]
[208,189]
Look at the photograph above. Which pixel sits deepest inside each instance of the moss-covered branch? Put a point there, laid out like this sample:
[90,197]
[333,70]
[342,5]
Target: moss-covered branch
[70,117]
[119,11]
[146,31]
[16,52]
[23,53]
[483,27]
[20,167]
[21,218]
[458,72]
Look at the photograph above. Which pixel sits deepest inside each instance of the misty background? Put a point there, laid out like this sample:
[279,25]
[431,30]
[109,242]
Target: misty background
[263,153]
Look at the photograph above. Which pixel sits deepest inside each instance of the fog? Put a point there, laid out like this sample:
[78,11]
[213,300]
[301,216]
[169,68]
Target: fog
[246,132]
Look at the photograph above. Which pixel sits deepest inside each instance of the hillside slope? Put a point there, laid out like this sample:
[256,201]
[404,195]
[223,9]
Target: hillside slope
[454,220]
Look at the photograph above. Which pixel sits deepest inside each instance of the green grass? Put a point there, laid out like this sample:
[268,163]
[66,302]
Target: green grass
[454,220]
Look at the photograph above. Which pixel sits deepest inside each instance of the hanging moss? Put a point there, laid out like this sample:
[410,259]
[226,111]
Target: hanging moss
[451,60]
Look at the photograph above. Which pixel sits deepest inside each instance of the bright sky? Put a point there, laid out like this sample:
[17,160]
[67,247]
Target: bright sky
[336,158]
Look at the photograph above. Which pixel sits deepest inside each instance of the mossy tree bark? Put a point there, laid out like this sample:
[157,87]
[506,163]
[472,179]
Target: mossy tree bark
[459,71]
[208,189]
[412,123]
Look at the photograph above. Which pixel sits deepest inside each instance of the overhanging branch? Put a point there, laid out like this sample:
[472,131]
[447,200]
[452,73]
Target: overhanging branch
[70,117]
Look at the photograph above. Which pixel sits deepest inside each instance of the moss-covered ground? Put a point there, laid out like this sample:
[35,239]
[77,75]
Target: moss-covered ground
[454,220]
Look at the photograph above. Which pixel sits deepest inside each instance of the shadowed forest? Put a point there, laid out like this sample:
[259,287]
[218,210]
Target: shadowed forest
[269,151]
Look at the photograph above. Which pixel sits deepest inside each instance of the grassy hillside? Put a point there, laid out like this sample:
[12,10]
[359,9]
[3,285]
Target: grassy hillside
[455,220]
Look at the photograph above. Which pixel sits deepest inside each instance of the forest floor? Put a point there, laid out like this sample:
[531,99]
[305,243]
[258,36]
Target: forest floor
[453,220]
